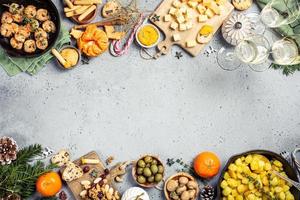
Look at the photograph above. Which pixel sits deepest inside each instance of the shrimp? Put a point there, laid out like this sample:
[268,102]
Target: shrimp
[42,15]
[34,24]
[17,17]
[6,30]
[49,26]
[15,27]
[6,18]
[29,46]
[16,8]
[16,44]
[42,44]
[40,34]
[30,11]
[22,34]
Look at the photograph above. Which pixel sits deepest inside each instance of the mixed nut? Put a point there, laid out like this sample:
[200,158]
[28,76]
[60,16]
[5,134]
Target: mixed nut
[98,190]
[181,187]
[149,170]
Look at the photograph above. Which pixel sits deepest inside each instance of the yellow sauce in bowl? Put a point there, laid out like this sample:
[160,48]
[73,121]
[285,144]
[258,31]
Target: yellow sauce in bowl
[148,35]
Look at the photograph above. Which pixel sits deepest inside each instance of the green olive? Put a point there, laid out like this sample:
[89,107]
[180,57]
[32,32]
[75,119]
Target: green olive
[158,177]
[141,179]
[147,172]
[160,169]
[154,169]
[148,159]
[150,179]
[139,171]
[148,165]
[154,162]
[141,163]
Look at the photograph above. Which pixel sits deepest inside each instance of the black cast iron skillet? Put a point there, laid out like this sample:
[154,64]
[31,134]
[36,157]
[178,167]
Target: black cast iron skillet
[46,4]
[289,170]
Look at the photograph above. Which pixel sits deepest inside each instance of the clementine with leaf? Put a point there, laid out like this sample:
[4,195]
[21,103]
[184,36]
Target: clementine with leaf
[48,184]
[207,164]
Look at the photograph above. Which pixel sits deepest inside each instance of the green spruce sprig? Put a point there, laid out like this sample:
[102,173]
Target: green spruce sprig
[20,176]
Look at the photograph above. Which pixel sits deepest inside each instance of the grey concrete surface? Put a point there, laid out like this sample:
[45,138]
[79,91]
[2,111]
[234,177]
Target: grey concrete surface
[128,106]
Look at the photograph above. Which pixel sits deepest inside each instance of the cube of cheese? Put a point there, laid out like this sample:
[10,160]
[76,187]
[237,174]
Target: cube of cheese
[183,9]
[182,27]
[189,25]
[176,3]
[189,15]
[202,18]
[180,19]
[191,43]
[172,11]
[178,13]
[201,9]
[209,13]
[167,18]
[206,2]
[214,7]
[221,2]
[174,25]
[176,37]
[193,4]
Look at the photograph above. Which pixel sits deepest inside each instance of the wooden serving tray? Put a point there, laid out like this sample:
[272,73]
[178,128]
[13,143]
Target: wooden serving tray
[75,185]
[165,45]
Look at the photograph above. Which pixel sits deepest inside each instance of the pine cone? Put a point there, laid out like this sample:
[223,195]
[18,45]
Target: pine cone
[8,150]
[207,193]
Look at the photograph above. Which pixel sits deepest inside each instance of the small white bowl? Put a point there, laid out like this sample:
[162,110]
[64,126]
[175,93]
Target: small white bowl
[137,38]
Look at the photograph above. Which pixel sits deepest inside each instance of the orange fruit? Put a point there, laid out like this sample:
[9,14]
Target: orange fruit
[48,184]
[207,164]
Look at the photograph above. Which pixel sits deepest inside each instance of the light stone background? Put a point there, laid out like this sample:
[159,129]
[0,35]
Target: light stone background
[128,106]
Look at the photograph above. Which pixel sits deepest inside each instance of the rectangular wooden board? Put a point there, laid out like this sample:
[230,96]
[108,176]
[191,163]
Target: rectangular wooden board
[75,185]
[163,9]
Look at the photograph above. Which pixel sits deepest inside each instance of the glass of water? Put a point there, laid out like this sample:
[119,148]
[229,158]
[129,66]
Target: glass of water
[280,12]
[253,51]
[286,51]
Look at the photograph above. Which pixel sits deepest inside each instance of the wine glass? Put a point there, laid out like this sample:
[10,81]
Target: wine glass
[252,51]
[286,51]
[280,12]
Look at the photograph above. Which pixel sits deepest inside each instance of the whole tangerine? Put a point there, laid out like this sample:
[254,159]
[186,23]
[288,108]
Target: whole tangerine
[48,184]
[207,164]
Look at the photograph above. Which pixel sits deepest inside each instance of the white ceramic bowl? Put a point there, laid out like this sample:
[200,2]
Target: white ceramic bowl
[137,39]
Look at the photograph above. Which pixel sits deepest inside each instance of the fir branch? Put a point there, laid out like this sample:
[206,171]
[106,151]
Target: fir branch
[27,154]
[20,176]
[286,69]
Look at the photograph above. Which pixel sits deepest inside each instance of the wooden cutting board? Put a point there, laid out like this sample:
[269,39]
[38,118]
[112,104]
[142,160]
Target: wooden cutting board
[75,185]
[165,45]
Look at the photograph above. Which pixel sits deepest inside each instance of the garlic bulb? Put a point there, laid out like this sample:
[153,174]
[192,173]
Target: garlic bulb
[236,28]
[134,192]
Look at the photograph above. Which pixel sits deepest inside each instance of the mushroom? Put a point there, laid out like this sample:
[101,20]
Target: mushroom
[185,195]
[183,180]
[192,185]
[172,185]
[181,189]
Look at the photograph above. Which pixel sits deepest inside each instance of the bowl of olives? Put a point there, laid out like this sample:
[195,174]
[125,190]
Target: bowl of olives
[148,171]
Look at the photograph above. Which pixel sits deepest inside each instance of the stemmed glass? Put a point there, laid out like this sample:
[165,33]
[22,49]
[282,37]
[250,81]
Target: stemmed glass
[252,51]
[278,13]
[286,51]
